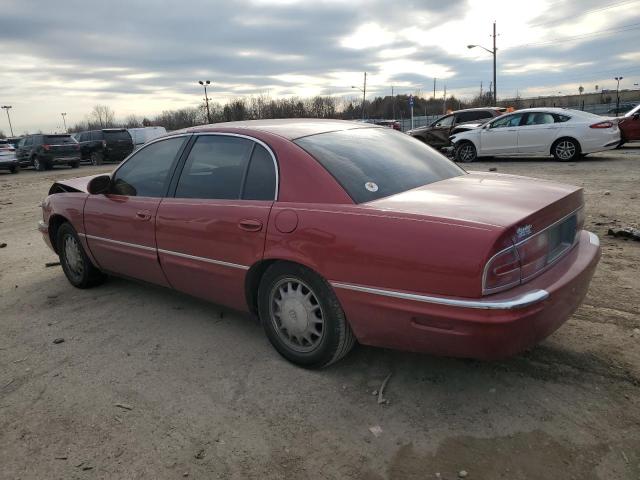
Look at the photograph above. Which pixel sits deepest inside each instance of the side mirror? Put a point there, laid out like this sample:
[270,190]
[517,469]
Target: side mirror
[99,184]
[636,116]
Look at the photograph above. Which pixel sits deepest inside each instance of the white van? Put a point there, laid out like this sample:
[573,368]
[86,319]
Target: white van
[142,135]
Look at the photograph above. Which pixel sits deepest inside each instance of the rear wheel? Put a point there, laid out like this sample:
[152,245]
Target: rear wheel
[14,169]
[77,267]
[465,152]
[566,150]
[97,158]
[302,317]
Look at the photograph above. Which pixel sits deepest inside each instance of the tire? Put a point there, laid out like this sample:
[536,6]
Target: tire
[465,152]
[97,158]
[14,169]
[566,150]
[77,267]
[307,298]
[38,165]
[74,164]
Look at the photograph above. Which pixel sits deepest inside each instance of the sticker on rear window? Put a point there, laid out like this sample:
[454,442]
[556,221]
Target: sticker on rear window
[372,187]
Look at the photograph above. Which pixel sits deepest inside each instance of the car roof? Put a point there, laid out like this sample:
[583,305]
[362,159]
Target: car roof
[497,109]
[290,128]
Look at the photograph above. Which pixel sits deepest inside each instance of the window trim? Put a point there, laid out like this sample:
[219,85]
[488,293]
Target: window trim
[178,172]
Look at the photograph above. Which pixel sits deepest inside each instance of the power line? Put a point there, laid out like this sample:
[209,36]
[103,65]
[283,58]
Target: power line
[622,29]
[599,9]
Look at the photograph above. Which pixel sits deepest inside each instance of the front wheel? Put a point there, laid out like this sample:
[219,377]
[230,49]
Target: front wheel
[302,317]
[465,152]
[77,267]
[97,158]
[38,165]
[566,150]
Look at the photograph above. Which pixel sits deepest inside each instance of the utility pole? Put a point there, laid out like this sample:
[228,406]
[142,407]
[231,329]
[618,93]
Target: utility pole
[617,94]
[7,108]
[206,97]
[444,101]
[64,121]
[393,103]
[481,99]
[364,93]
[495,54]
[434,88]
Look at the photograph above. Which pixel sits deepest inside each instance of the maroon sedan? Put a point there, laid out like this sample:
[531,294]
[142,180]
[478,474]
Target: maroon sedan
[334,232]
[630,126]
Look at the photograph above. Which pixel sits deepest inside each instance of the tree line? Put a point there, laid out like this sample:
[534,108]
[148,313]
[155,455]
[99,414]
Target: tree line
[265,107]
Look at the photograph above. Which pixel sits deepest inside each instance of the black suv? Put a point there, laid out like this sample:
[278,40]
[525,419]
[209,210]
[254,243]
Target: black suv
[106,145]
[437,134]
[42,152]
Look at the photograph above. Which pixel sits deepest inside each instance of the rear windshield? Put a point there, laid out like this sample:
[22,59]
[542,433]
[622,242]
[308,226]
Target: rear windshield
[372,163]
[117,135]
[58,139]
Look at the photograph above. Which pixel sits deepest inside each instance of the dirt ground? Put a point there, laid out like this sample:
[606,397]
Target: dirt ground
[149,383]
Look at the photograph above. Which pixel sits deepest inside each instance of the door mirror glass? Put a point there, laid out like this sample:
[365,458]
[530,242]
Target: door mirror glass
[99,184]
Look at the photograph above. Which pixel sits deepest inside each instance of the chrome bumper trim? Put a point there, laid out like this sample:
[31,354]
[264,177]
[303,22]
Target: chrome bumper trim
[521,301]
[203,259]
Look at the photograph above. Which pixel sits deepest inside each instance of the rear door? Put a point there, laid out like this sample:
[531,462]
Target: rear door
[22,152]
[537,132]
[61,146]
[214,227]
[438,134]
[501,135]
[120,226]
[118,144]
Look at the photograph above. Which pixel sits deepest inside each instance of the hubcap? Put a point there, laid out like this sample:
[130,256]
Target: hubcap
[466,153]
[36,163]
[72,255]
[565,150]
[296,315]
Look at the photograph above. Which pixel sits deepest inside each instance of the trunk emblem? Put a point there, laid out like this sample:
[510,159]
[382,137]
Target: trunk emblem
[372,187]
[524,231]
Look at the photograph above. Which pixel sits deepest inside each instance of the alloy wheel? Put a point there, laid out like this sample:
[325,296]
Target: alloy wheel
[296,314]
[565,150]
[466,153]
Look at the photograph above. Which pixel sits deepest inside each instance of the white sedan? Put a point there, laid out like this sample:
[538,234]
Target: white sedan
[566,134]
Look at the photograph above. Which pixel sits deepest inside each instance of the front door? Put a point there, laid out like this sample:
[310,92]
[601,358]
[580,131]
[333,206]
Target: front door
[120,226]
[537,132]
[501,136]
[438,134]
[214,228]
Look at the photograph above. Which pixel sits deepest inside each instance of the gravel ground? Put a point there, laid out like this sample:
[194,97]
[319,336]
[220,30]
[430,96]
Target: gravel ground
[149,383]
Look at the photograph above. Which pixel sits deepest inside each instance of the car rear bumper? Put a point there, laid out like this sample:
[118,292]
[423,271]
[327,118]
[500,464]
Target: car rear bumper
[8,164]
[492,327]
[601,143]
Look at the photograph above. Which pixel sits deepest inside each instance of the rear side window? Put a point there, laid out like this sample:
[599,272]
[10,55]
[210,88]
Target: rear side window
[146,173]
[561,118]
[372,163]
[260,183]
[120,135]
[215,168]
[96,135]
[58,139]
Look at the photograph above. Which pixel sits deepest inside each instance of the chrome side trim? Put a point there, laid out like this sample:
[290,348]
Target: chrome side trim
[593,238]
[118,242]
[521,301]
[203,259]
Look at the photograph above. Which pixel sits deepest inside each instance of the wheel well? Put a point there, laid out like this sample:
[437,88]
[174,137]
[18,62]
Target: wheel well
[565,138]
[254,276]
[55,221]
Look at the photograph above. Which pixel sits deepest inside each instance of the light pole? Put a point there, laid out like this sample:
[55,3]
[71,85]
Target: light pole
[64,121]
[364,92]
[206,98]
[7,108]
[617,79]
[494,53]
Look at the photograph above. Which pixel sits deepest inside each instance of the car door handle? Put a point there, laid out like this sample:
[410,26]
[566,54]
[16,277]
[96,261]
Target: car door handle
[143,215]
[250,225]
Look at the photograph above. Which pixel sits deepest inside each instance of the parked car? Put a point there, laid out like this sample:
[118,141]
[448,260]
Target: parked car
[395,124]
[437,133]
[332,231]
[142,135]
[106,145]
[630,126]
[565,134]
[43,152]
[8,159]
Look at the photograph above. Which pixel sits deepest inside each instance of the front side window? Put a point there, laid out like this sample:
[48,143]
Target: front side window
[117,135]
[215,168]
[372,163]
[96,135]
[508,121]
[59,139]
[147,172]
[444,121]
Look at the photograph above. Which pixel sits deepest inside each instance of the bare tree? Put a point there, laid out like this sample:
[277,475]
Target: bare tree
[132,121]
[103,116]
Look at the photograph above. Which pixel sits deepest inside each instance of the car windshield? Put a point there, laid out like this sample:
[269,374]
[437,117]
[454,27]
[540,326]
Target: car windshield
[372,163]
[117,135]
[58,139]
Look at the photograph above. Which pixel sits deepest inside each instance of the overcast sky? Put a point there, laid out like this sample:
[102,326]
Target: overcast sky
[143,57]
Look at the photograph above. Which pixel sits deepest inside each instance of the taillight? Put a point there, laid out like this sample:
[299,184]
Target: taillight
[602,125]
[46,147]
[502,271]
